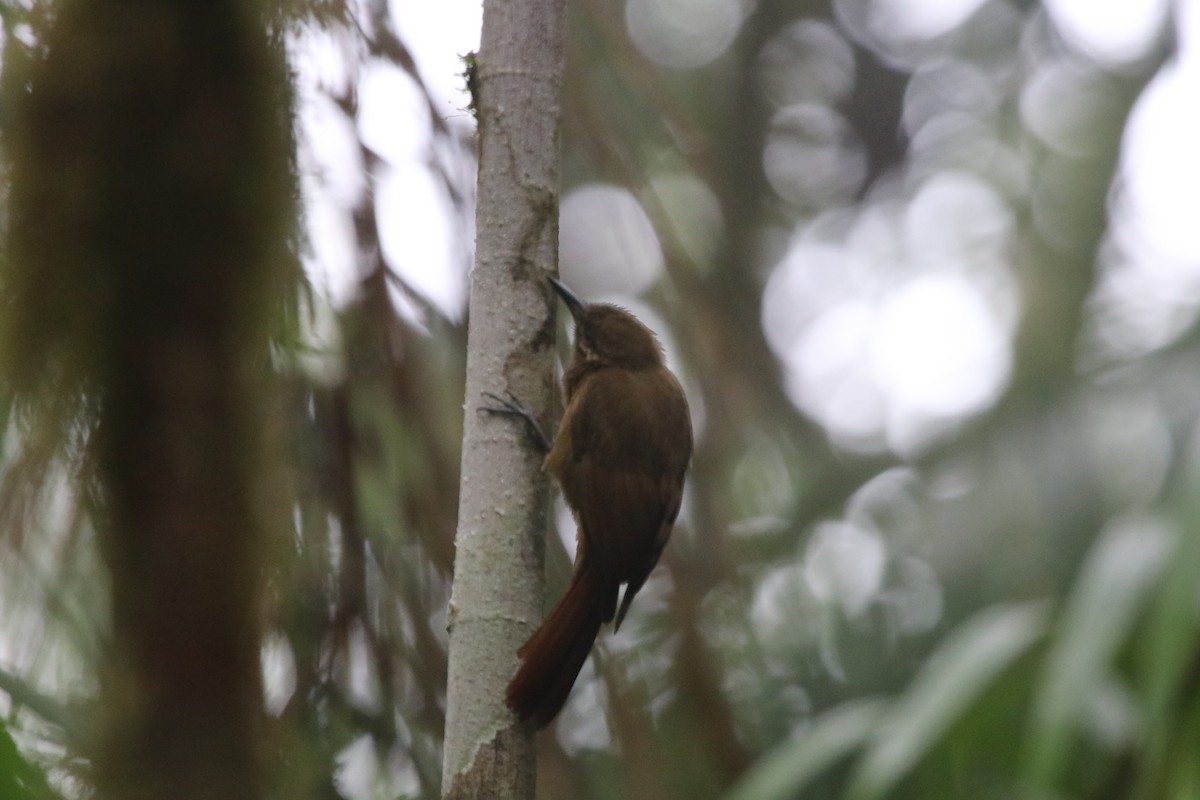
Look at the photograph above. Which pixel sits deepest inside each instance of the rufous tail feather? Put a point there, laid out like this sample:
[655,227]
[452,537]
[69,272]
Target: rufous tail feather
[554,655]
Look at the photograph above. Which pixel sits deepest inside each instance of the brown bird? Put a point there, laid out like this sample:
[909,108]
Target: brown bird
[620,456]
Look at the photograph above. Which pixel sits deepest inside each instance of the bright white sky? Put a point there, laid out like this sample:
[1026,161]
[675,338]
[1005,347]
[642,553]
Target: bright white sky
[855,367]
[957,374]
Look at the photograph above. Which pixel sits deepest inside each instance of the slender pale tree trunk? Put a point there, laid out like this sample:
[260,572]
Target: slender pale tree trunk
[497,597]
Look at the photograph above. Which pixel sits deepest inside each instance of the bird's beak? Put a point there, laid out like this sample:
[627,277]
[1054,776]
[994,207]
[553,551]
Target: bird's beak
[573,303]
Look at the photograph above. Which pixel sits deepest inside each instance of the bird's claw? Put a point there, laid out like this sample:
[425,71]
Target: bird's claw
[508,405]
[505,404]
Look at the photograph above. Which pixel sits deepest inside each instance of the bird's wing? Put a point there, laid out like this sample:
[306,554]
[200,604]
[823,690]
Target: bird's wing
[630,443]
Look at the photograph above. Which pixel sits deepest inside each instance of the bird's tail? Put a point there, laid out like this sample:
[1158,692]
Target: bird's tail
[553,656]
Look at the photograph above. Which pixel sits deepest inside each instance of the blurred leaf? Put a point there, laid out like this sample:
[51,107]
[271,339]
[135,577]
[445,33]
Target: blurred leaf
[23,694]
[955,675]
[1113,586]
[1165,651]
[19,779]
[785,770]
[1170,630]
[1181,768]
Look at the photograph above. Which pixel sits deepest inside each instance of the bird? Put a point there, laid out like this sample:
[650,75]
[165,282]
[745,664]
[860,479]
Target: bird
[620,456]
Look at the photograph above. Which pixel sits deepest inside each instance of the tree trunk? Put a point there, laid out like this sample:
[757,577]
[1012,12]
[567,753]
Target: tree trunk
[497,596]
[149,197]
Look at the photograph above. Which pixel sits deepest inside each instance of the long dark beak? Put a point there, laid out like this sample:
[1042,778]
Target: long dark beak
[573,303]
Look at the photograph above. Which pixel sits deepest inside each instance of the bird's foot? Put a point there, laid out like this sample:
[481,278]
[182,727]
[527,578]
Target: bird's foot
[508,405]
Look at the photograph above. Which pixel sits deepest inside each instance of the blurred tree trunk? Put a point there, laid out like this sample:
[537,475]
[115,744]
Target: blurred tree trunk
[149,164]
[497,596]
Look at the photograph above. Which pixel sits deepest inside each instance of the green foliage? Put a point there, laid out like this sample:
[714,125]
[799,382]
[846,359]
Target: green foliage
[954,713]
[962,667]
[1107,600]
[470,76]
[20,779]
[990,604]
[829,739]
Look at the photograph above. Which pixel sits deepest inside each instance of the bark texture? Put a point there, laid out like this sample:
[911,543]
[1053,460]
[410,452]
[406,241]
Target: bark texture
[497,596]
